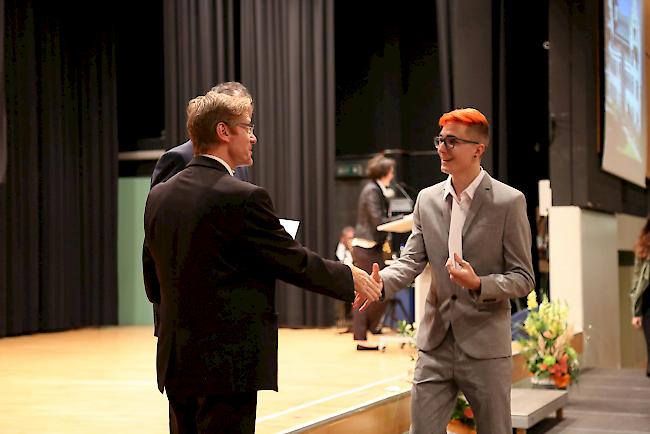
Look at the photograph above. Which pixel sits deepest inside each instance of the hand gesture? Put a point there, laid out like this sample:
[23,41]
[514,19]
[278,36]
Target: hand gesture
[464,274]
[367,289]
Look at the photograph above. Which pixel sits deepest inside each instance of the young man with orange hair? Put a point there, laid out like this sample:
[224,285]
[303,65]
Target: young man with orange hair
[474,232]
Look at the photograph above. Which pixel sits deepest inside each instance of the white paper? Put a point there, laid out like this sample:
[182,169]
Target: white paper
[291,226]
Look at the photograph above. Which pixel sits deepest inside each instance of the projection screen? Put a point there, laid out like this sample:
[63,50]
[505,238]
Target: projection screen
[624,152]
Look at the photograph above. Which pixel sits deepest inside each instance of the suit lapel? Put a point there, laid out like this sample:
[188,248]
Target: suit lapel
[384,200]
[445,209]
[481,192]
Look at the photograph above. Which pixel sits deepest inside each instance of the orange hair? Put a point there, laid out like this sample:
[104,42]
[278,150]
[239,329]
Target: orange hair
[470,117]
[467,116]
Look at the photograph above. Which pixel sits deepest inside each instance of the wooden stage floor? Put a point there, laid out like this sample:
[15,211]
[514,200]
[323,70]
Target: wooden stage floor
[102,380]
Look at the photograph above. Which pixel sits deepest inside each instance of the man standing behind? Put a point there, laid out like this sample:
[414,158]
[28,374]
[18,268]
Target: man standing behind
[216,247]
[344,247]
[175,160]
[474,232]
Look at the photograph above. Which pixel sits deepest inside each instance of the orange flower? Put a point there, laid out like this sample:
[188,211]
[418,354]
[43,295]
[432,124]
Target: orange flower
[468,413]
[561,380]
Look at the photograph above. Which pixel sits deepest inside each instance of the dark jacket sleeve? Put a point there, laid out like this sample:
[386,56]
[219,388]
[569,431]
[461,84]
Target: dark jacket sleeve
[275,251]
[167,166]
[375,207]
[371,213]
[151,284]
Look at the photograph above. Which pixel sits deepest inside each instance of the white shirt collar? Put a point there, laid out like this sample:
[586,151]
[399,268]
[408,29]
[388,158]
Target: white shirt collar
[470,190]
[214,157]
[384,189]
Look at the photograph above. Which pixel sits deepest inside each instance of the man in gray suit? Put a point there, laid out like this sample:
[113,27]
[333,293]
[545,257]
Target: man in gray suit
[474,232]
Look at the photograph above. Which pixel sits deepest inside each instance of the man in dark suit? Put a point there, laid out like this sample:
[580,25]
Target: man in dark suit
[215,247]
[175,160]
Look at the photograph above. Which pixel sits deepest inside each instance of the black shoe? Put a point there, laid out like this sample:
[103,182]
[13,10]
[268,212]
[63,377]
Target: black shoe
[364,348]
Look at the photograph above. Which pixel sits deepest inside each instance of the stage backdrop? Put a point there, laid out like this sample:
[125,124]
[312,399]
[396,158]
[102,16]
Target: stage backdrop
[58,205]
[3,115]
[287,50]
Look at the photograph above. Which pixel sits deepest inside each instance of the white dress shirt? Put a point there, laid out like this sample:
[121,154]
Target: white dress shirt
[459,208]
[343,254]
[214,157]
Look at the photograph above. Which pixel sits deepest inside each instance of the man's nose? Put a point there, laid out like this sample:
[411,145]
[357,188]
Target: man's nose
[253,138]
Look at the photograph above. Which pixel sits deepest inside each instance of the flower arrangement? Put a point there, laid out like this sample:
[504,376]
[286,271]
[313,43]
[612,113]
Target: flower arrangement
[405,329]
[462,415]
[548,349]
[408,330]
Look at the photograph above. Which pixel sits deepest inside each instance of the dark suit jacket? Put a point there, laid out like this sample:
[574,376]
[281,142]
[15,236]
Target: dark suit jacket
[216,248]
[169,164]
[175,160]
[372,211]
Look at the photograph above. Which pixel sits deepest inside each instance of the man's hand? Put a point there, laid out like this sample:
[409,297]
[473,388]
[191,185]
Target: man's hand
[636,322]
[464,275]
[366,288]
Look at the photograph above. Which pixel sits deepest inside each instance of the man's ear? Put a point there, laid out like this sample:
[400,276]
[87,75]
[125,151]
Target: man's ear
[480,149]
[221,131]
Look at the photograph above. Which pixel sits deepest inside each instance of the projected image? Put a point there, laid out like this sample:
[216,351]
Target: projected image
[625,147]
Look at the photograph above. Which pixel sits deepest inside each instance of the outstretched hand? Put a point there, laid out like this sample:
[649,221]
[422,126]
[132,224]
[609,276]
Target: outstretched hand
[361,300]
[366,288]
[463,275]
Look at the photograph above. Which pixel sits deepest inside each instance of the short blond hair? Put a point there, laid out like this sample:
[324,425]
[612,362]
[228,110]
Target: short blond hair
[204,113]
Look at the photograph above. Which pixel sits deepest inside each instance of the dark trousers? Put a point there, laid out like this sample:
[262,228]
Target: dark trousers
[368,319]
[223,414]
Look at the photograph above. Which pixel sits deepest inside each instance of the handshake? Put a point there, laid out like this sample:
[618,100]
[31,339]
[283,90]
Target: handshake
[367,287]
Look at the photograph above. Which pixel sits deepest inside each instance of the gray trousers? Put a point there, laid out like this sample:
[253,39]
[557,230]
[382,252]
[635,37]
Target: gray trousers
[440,373]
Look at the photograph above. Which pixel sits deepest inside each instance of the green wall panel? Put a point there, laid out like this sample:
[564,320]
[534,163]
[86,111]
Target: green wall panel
[133,305]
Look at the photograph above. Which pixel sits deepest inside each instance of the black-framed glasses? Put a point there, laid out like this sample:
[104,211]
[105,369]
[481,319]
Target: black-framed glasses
[250,127]
[450,141]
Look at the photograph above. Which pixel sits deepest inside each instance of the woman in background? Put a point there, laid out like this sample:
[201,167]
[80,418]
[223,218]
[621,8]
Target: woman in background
[639,293]
[367,246]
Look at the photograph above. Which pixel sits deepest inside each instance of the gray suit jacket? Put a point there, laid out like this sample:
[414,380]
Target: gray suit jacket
[496,242]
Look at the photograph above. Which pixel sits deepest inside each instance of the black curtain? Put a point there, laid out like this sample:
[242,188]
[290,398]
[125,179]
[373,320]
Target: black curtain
[3,115]
[58,205]
[471,38]
[200,52]
[287,60]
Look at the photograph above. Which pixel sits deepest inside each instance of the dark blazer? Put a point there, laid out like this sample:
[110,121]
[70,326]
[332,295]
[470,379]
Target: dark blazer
[215,247]
[372,211]
[169,164]
[175,160]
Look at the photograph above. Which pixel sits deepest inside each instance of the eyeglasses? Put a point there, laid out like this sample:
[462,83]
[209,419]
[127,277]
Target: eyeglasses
[249,127]
[450,142]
